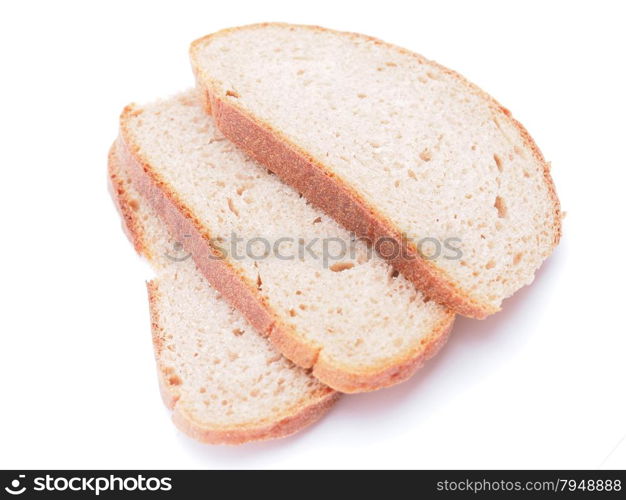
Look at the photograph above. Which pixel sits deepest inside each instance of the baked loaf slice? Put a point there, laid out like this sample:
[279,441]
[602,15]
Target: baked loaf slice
[391,145]
[344,314]
[225,383]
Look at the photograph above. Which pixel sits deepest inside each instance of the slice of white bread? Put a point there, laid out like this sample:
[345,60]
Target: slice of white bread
[391,145]
[224,382]
[351,319]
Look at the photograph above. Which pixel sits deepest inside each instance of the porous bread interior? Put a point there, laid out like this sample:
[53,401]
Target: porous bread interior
[225,375]
[354,308]
[430,152]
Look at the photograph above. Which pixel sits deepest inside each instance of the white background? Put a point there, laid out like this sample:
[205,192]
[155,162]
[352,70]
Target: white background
[541,384]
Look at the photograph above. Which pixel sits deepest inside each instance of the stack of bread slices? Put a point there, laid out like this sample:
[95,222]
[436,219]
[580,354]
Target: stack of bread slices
[317,211]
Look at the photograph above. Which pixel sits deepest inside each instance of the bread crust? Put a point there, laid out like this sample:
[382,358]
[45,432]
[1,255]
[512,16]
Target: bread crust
[301,415]
[245,296]
[124,204]
[337,198]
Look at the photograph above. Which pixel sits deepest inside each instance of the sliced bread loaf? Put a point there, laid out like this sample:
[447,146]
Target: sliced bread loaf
[225,383]
[346,315]
[393,146]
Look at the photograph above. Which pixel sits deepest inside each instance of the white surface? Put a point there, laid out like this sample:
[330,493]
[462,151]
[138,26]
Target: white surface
[539,385]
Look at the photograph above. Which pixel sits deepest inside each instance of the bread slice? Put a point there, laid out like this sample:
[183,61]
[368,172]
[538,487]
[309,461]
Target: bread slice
[345,315]
[225,383]
[393,146]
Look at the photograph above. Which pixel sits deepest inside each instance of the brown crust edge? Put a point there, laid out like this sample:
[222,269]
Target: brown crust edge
[244,295]
[124,205]
[303,415]
[338,199]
